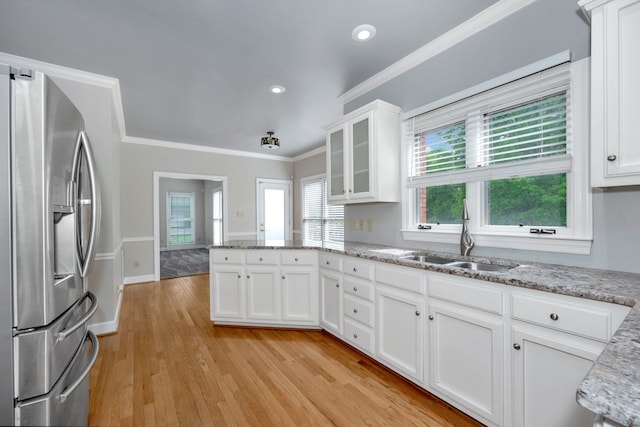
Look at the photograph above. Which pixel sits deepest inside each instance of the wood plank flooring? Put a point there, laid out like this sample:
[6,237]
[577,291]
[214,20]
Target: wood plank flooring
[169,366]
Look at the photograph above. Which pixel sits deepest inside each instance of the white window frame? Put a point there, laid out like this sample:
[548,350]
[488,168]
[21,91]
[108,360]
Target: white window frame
[575,238]
[192,197]
[217,220]
[307,180]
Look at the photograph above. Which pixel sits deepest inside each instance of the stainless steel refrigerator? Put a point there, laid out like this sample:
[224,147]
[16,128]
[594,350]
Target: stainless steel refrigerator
[49,220]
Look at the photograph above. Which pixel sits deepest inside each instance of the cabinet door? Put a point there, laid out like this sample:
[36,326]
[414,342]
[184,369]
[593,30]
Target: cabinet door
[400,332]
[263,300]
[227,293]
[548,366]
[615,94]
[337,161]
[466,362]
[299,295]
[361,166]
[331,302]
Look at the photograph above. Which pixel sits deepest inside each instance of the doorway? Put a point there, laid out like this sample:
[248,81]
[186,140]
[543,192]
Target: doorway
[190,213]
[274,210]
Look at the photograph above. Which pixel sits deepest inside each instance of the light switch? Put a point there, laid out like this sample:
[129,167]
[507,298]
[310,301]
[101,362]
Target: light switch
[370,224]
[361,224]
[352,224]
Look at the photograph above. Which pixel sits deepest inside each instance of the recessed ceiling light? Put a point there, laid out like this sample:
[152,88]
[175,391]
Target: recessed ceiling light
[277,89]
[363,32]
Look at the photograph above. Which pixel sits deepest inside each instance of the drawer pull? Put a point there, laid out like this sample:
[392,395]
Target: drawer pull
[337,285]
[328,263]
[226,258]
[239,276]
[248,277]
[260,258]
[282,277]
[516,346]
[355,289]
[295,259]
[355,269]
[355,336]
[553,316]
[611,157]
[355,310]
[430,317]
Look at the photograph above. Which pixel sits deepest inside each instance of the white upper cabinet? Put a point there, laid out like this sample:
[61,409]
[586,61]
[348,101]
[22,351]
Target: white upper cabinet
[615,92]
[363,155]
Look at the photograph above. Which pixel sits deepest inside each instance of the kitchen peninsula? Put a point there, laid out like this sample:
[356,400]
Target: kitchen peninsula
[595,309]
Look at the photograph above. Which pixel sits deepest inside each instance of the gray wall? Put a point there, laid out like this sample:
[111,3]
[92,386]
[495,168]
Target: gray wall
[169,185]
[540,30]
[138,162]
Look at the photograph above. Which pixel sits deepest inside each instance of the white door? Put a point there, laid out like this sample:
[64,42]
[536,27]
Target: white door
[274,210]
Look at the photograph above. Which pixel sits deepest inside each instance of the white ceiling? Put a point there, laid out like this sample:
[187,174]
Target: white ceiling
[198,71]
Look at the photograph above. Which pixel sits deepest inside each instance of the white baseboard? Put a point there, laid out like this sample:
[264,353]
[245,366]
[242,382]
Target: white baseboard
[138,279]
[111,326]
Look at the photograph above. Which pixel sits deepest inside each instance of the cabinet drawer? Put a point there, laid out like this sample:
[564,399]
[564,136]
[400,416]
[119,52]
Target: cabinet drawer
[299,257]
[358,335]
[359,310]
[226,257]
[357,268]
[359,288]
[262,257]
[585,321]
[469,292]
[331,262]
[406,278]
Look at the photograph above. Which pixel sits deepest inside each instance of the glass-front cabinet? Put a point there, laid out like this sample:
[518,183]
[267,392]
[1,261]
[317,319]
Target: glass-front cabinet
[363,152]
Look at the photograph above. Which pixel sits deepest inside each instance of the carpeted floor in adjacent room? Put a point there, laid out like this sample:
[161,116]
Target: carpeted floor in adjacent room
[186,262]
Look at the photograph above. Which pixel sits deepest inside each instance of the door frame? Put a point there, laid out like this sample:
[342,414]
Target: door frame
[156,208]
[289,183]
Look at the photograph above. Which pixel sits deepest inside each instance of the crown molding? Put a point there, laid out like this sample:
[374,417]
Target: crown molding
[62,72]
[201,148]
[473,25]
[311,153]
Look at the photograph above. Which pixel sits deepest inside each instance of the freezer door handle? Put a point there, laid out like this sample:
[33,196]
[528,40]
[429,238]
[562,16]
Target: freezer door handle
[94,306]
[94,347]
[83,148]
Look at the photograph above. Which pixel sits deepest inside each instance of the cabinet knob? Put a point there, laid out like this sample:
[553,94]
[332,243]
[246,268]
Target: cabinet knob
[328,263]
[260,259]
[417,312]
[239,276]
[295,259]
[355,310]
[355,269]
[430,317]
[355,336]
[612,157]
[554,316]
[350,191]
[355,289]
[282,277]
[248,276]
[337,285]
[226,258]
[516,346]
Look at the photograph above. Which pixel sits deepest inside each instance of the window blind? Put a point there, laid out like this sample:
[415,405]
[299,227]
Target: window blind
[320,221]
[518,129]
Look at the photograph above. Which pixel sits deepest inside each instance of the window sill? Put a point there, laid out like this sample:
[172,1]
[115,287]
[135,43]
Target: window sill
[558,244]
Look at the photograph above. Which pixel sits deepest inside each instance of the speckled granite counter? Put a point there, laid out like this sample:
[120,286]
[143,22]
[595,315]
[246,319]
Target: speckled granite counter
[612,387]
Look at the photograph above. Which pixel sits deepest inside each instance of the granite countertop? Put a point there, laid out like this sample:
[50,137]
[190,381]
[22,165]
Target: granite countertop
[612,387]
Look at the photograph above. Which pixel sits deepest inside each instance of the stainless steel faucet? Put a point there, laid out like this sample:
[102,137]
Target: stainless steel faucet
[466,241]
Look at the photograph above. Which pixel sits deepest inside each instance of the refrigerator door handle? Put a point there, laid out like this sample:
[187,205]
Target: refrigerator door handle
[68,331]
[84,148]
[95,347]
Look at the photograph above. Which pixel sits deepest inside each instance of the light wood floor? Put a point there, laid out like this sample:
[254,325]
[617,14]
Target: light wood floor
[168,365]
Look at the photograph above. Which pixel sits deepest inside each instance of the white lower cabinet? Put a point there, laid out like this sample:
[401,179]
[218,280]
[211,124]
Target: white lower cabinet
[300,295]
[466,363]
[400,331]
[263,288]
[227,297]
[331,301]
[548,367]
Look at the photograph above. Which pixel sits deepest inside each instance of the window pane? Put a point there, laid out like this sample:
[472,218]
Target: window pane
[440,204]
[181,229]
[320,221]
[537,200]
[439,150]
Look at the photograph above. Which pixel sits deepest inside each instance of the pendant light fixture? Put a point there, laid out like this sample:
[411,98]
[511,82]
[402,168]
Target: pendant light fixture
[269,142]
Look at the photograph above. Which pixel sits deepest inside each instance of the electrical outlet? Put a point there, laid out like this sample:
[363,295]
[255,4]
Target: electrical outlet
[352,224]
[239,214]
[136,263]
[370,224]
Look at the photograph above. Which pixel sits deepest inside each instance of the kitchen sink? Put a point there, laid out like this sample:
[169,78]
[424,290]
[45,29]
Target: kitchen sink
[480,266]
[432,259]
